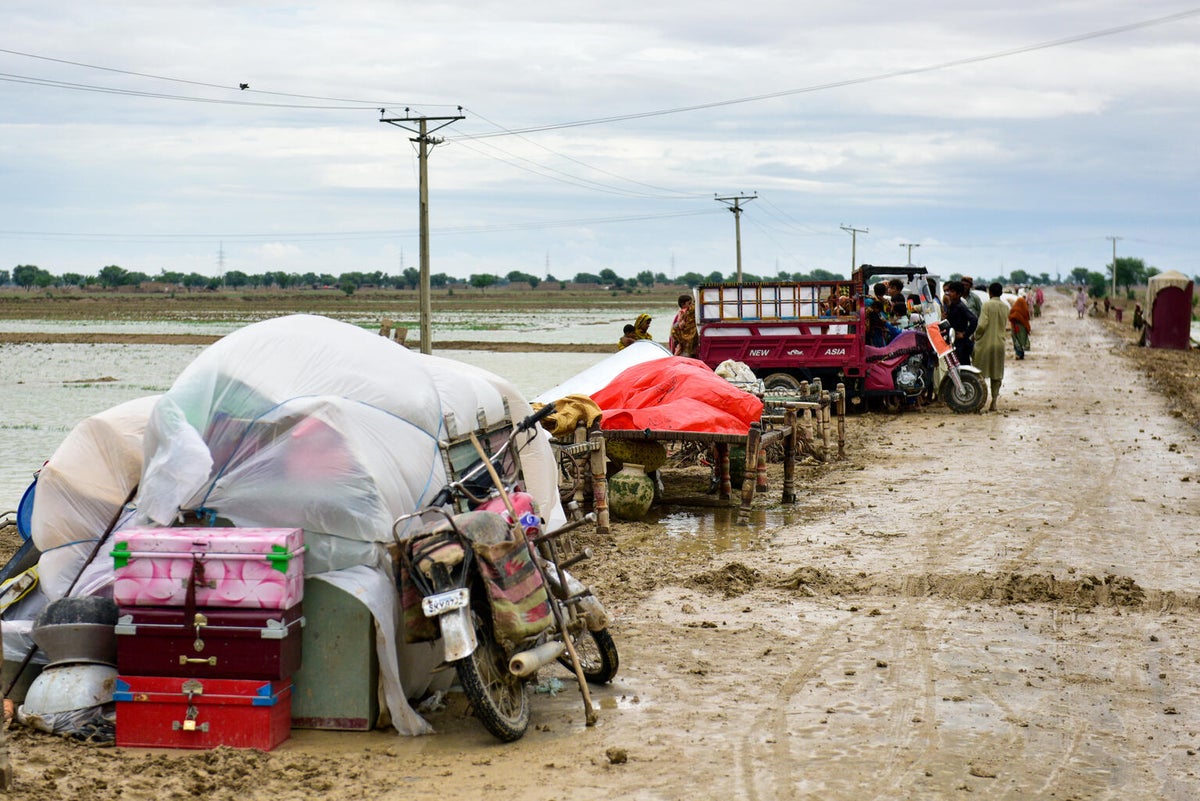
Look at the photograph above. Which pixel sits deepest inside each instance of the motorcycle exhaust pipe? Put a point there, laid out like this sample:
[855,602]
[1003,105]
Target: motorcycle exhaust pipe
[526,663]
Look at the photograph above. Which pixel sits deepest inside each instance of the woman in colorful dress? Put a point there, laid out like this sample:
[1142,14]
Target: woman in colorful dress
[1018,318]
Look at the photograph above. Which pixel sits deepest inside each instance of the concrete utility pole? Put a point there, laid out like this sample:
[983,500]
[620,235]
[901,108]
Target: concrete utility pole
[424,141]
[1114,283]
[733,203]
[910,247]
[854,232]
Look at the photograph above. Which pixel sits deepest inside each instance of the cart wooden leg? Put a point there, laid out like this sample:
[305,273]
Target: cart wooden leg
[599,484]
[789,456]
[825,403]
[841,411]
[749,479]
[726,490]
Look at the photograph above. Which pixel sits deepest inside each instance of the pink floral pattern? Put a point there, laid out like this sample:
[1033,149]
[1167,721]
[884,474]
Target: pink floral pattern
[248,568]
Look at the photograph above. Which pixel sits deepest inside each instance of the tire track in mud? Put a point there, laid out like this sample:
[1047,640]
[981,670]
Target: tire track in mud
[768,765]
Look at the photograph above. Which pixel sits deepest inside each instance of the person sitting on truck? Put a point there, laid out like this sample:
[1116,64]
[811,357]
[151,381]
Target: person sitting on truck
[879,331]
[899,304]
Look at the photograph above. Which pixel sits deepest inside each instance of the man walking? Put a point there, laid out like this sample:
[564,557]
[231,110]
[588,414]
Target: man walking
[989,340]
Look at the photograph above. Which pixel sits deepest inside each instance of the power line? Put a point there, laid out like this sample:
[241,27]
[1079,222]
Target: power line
[239,88]
[345,236]
[960,62]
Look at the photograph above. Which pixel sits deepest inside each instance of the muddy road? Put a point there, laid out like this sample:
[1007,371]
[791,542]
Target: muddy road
[989,606]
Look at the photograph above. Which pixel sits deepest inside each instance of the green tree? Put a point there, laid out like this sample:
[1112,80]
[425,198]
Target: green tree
[73,279]
[825,275]
[646,278]
[438,280]
[1079,275]
[43,279]
[4,278]
[587,278]
[135,278]
[25,275]
[1097,284]
[482,281]
[348,287]
[170,277]
[236,279]
[194,281]
[112,276]
[1018,277]
[690,279]
[715,277]
[1130,271]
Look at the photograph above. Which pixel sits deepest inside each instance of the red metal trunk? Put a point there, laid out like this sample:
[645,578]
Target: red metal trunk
[160,712]
[209,643]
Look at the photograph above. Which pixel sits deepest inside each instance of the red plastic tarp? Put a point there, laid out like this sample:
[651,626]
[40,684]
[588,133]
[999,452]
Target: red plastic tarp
[676,394]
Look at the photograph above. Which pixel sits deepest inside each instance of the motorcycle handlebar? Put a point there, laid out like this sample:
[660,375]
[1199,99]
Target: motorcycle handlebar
[533,419]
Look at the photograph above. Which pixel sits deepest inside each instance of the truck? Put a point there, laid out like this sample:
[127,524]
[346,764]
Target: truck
[793,331]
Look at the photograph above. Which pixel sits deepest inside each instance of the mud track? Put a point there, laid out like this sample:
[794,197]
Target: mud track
[990,606]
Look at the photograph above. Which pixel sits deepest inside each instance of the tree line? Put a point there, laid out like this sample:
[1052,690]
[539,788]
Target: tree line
[1130,272]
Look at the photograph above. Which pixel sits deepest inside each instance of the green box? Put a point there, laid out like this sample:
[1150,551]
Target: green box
[337,684]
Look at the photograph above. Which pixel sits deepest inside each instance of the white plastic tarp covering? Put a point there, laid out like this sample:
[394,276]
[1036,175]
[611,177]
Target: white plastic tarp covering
[82,487]
[599,375]
[306,422]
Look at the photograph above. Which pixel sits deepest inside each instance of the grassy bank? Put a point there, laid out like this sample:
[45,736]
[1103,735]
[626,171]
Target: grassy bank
[74,303]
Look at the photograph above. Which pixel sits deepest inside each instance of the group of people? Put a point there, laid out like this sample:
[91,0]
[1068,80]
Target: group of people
[980,327]
[684,339]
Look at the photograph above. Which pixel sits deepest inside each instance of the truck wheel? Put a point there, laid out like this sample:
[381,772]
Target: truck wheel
[782,381]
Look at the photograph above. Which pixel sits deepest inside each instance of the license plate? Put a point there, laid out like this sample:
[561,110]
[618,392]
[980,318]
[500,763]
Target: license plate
[434,605]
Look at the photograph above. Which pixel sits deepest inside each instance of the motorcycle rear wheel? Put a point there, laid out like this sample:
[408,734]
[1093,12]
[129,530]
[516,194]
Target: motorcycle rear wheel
[498,697]
[597,656]
[971,399]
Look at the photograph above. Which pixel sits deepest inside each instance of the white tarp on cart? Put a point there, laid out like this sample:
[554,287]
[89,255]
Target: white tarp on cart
[308,422]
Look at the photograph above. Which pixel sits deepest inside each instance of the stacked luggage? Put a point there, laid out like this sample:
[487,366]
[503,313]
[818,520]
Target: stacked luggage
[209,635]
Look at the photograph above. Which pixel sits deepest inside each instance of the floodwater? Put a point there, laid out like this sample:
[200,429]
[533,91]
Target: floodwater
[49,388]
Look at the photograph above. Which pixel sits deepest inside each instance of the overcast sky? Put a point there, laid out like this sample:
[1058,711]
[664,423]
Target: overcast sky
[994,135]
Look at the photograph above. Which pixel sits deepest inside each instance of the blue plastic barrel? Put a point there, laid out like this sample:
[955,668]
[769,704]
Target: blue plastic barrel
[25,512]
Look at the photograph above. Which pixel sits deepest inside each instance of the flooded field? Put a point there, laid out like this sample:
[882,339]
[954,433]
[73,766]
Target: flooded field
[49,388]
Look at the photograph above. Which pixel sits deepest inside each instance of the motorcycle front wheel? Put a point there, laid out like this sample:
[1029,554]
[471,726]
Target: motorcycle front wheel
[970,399]
[597,656]
[497,696]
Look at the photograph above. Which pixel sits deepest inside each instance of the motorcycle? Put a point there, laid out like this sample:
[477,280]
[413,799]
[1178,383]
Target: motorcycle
[918,365]
[497,587]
